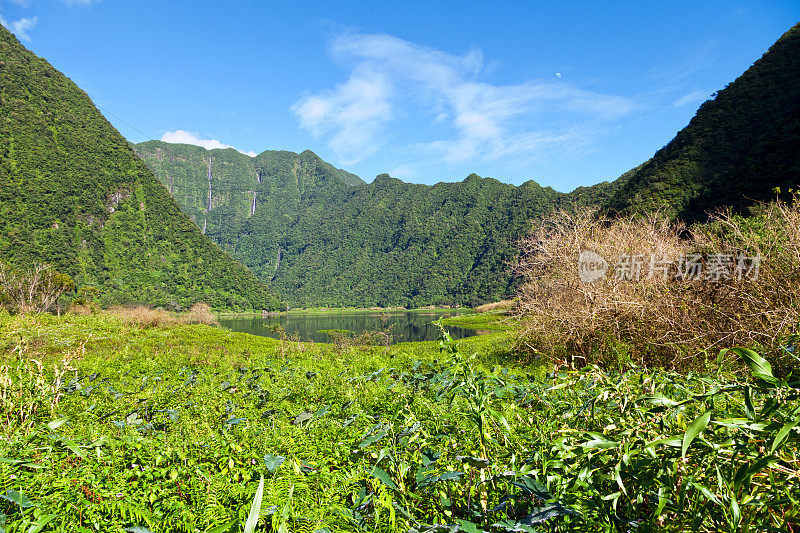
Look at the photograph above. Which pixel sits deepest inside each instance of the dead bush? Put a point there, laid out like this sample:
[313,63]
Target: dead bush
[646,305]
[144,317]
[200,313]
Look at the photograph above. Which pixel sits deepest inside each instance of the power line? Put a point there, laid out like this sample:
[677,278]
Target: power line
[146,136]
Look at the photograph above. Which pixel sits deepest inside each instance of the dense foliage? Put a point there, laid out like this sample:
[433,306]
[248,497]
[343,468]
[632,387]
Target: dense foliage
[170,429]
[323,237]
[739,146]
[74,195]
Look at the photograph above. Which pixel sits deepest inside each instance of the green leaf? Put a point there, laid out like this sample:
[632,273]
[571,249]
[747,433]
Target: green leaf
[748,404]
[255,508]
[37,526]
[783,433]
[55,424]
[273,462]
[658,399]
[223,528]
[759,366]
[137,529]
[17,498]
[381,474]
[694,429]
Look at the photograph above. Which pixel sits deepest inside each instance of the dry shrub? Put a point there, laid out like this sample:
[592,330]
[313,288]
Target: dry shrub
[504,305]
[200,313]
[665,319]
[144,317]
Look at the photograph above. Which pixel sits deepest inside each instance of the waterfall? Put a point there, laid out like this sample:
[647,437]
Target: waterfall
[258,176]
[208,207]
[278,261]
[253,209]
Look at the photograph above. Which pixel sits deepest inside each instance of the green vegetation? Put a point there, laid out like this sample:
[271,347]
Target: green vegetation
[74,195]
[173,428]
[321,237]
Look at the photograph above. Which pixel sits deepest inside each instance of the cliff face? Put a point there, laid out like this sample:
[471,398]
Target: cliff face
[74,194]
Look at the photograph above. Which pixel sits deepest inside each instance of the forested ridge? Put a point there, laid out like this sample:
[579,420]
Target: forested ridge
[73,194]
[321,236]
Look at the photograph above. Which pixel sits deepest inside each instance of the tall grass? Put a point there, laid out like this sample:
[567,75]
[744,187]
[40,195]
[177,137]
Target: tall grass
[665,319]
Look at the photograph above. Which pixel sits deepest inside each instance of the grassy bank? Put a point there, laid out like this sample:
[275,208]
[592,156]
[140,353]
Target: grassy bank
[171,428]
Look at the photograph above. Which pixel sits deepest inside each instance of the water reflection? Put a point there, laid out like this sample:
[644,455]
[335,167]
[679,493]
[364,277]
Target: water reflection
[404,326]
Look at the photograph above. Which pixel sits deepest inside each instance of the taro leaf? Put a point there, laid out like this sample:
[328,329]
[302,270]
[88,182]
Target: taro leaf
[450,476]
[172,413]
[475,462]
[382,475]
[273,462]
[255,509]
[429,457]
[17,498]
[546,512]
[88,390]
[532,485]
[694,429]
[783,433]
[133,419]
[515,527]
[119,423]
[137,529]
[759,366]
[225,385]
[235,421]
[117,395]
[305,416]
[467,526]
[321,411]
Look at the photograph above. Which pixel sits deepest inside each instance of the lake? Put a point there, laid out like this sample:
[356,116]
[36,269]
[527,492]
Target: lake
[405,326]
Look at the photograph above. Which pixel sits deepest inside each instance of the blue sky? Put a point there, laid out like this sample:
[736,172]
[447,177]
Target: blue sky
[566,93]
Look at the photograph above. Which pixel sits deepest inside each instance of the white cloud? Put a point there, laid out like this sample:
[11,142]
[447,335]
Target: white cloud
[390,79]
[185,137]
[20,27]
[691,98]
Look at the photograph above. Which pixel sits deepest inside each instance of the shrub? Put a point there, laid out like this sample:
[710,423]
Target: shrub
[35,289]
[200,313]
[144,317]
[669,320]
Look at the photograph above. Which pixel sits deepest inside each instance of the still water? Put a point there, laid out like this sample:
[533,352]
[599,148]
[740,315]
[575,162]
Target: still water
[405,326]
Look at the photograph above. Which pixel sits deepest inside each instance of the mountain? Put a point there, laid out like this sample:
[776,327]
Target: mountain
[74,194]
[738,147]
[321,236]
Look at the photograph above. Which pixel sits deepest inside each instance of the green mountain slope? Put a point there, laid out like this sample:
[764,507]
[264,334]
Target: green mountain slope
[74,194]
[323,237]
[737,148]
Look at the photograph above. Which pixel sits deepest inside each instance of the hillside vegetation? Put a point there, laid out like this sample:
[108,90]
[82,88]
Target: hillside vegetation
[73,194]
[320,236]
